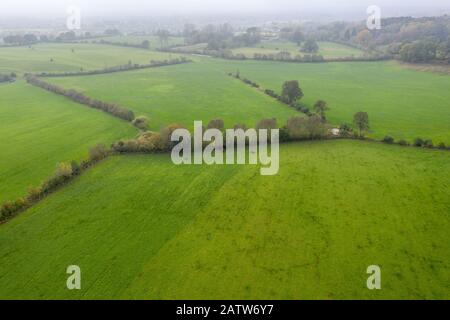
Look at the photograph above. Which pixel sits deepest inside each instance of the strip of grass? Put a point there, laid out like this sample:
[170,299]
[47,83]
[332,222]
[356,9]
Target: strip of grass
[140,227]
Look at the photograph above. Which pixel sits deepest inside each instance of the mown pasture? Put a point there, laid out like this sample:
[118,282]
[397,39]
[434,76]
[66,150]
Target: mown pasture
[140,227]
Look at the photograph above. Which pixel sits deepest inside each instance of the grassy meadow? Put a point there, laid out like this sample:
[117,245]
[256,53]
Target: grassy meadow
[403,103]
[155,42]
[40,129]
[328,50]
[182,94]
[139,227]
[60,57]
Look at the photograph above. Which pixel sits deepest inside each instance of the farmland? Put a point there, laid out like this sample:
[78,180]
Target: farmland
[393,96]
[182,94]
[328,50]
[72,57]
[141,228]
[39,130]
[403,103]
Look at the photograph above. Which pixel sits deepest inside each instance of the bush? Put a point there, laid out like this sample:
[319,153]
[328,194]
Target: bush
[428,144]
[76,169]
[418,142]
[442,146]
[141,122]
[345,129]
[267,124]
[216,124]
[34,194]
[98,153]
[388,139]
[403,143]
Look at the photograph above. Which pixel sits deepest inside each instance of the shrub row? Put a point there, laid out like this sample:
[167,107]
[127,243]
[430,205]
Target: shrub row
[296,129]
[296,105]
[64,173]
[280,57]
[121,68]
[418,143]
[143,45]
[7,77]
[114,109]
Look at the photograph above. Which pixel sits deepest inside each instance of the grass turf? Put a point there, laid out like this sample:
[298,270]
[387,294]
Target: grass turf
[328,50]
[40,129]
[182,94]
[403,103]
[140,227]
[37,58]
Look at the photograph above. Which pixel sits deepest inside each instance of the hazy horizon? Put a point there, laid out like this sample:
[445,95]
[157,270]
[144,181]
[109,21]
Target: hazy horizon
[114,8]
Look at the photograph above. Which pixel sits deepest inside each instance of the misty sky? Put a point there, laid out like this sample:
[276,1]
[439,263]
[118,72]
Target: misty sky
[56,8]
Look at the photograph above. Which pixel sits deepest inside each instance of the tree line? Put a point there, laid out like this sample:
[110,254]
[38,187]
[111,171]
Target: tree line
[126,67]
[111,108]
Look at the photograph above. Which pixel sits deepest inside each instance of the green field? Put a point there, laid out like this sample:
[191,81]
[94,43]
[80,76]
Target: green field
[182,94]
[154,40]
[40,129]
[140,227]
[328,50]
[403,103]
[37,58]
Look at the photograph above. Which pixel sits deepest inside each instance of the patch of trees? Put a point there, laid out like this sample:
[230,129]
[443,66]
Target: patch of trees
[64,173]
[293,35]
[126,67]
[11,77]
[111,108]
[20,40]
[415,40]
[310,46]
[221,37]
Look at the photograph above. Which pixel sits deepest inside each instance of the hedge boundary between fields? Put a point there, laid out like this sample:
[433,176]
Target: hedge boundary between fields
[115,69]
[68,172]
[271,93]
[307,58]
